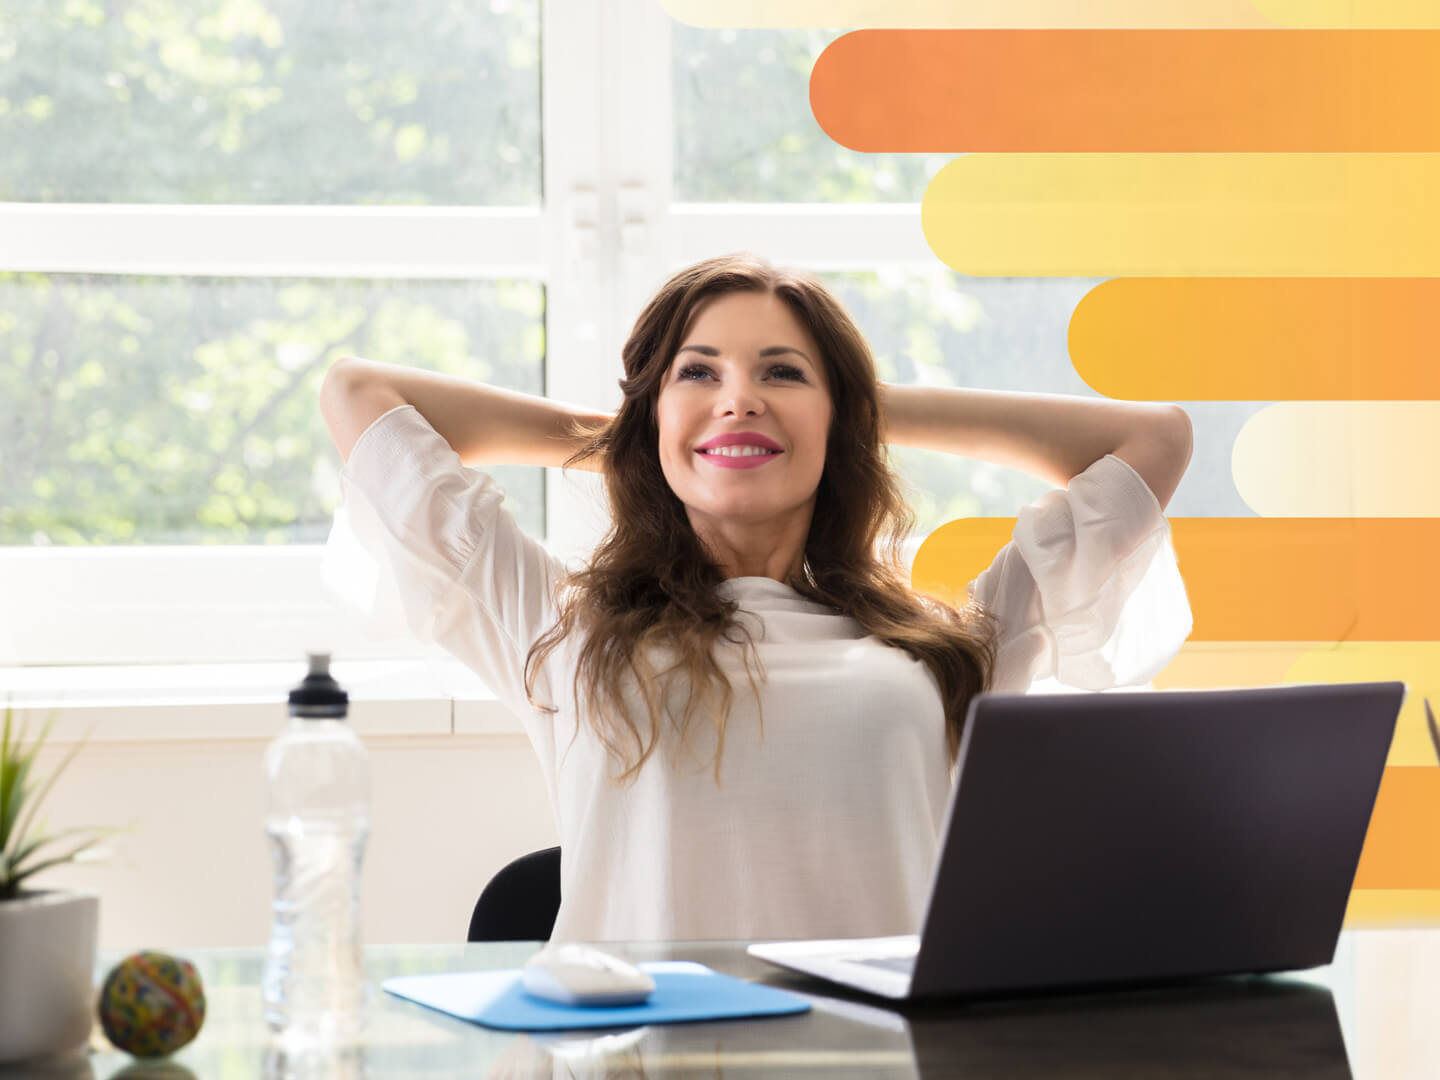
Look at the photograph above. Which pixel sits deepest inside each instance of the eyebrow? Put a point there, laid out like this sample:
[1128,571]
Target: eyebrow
[769,350]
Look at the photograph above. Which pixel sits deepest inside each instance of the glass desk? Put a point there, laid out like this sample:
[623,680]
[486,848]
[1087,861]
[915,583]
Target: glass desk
[1374,1012]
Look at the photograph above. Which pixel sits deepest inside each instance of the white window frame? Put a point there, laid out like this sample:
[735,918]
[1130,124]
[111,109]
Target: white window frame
[605,236]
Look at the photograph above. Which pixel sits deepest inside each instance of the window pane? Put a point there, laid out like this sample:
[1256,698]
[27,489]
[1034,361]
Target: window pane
[939,328]
[744,131]
[163,410]
[270,101]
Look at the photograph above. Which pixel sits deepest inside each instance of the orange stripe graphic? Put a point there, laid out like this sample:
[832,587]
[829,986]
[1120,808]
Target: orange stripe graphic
[1257,579]
[1400,849]
[1259,339]
[956,91]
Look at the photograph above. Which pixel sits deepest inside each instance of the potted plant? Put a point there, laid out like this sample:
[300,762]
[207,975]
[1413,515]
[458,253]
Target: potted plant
[47,937]
[1434,731]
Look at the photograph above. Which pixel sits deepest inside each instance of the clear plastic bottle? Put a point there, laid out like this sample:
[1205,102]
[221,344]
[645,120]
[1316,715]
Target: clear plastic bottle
[318,818]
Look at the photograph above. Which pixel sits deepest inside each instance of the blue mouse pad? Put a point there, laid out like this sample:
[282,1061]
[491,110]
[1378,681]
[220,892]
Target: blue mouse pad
[683,991]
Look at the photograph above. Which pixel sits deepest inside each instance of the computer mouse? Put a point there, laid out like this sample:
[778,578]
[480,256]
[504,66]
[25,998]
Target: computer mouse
[573,974]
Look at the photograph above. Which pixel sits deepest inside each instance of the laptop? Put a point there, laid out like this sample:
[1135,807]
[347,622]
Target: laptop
[1124,839]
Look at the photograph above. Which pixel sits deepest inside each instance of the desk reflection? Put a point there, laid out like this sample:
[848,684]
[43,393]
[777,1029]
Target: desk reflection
[1255,1027]
[1250,1027]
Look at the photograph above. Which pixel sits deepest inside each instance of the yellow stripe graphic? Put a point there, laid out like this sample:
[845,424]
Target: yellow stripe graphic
[1060,14]
[1204,665]
[1237,215]
[1340,459]
[975,14]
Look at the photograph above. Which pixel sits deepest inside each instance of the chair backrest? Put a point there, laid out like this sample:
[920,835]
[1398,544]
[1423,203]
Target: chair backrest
[521,901]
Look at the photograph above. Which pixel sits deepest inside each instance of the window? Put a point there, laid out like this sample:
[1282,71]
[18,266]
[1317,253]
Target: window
[204,202]
[182,410]
[240,102]
[779,154]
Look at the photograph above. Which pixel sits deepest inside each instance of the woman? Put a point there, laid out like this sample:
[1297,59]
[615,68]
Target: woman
[746,720]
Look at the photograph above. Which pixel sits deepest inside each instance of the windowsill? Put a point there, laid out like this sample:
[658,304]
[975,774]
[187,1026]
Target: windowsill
[198,702]
[145,703]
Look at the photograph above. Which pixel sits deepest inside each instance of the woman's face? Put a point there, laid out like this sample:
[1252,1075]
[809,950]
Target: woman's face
[746,370]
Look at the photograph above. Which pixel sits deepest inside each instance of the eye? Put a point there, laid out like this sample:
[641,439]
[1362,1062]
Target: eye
[691,372]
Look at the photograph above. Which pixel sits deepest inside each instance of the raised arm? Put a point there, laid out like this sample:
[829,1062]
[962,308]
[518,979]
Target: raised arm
[483,424]
[1053,436]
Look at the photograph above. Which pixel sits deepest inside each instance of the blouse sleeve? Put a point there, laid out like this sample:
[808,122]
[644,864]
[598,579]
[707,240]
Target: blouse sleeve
[421,542]
[1088,593]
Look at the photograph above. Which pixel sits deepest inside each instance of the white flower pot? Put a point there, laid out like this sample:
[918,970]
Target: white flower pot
[47,970]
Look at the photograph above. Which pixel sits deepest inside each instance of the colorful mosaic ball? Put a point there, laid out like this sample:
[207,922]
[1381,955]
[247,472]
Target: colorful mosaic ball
[152,1004]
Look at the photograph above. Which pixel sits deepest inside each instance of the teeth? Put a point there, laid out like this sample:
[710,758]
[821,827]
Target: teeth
[738,451]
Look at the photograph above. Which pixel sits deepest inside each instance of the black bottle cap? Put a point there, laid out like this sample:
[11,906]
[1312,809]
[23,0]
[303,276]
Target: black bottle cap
[319,696]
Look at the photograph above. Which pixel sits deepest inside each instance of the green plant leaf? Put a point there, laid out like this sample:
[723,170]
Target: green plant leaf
[17,773]
[17,876]
[32,805]
[1434,732]
[14,770]
[19,803]
[18,857]
[8,782]
[20,759]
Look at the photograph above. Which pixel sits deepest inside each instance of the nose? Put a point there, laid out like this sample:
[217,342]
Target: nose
[742,400]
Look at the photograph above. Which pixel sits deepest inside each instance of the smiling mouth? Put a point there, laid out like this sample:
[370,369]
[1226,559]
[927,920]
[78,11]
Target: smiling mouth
[749,458]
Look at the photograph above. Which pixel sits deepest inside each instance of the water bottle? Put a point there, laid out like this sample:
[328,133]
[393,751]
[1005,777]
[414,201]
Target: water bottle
[318,818]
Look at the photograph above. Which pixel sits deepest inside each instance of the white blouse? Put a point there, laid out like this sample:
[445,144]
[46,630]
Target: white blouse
[826,822]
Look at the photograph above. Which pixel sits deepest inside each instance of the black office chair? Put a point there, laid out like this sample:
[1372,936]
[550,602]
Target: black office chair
[521,901]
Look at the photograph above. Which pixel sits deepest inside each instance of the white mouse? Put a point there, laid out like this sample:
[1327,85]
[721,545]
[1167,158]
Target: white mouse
[574,974]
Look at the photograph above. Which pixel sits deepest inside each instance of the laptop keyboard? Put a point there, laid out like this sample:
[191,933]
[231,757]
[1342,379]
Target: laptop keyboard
[903,964]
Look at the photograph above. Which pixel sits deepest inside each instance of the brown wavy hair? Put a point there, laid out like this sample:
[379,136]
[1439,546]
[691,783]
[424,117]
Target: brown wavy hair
[650,586]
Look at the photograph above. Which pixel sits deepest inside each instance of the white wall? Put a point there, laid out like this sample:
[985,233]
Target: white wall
[448,811]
